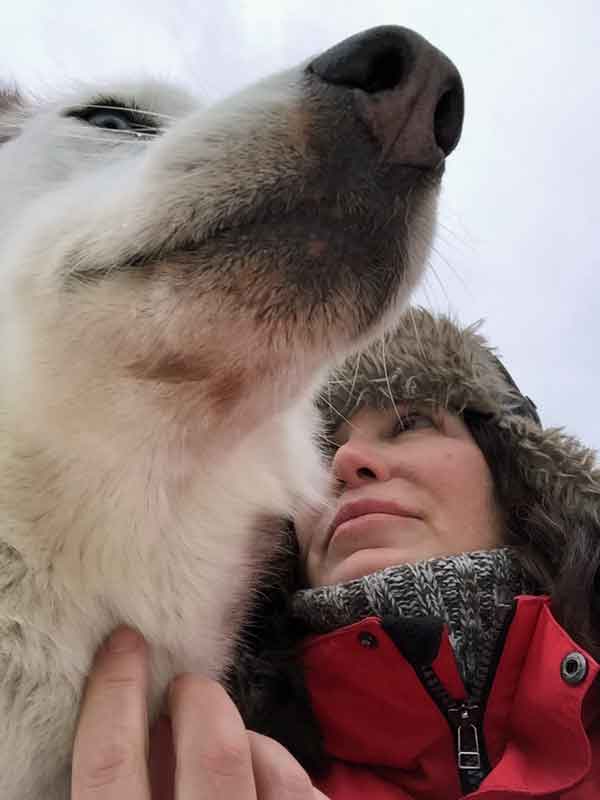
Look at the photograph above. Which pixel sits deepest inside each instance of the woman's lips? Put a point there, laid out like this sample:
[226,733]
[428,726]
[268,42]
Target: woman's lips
[360,508]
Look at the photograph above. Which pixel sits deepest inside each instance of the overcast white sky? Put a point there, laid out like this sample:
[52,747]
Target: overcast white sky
[519,217]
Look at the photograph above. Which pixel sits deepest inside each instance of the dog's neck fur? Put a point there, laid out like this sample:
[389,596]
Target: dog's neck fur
[152,539]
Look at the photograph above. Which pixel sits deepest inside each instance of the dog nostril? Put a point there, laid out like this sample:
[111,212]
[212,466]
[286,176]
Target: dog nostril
[447,118]
[385,71]
[370,72]
[373,61]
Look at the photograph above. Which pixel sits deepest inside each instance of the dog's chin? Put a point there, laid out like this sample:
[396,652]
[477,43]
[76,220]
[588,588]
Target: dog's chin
[320,271]
[311,294]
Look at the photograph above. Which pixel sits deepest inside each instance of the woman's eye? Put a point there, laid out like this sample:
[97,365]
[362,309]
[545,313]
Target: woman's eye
[412,422]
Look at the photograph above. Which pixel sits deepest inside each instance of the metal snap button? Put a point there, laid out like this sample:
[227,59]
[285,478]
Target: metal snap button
[573,668]
[367,639]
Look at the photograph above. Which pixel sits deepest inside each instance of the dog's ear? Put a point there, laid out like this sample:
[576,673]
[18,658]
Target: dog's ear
[12,106]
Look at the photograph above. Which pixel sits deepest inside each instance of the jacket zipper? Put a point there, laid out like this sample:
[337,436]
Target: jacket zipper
[472,760]
[465,718]
[466,722]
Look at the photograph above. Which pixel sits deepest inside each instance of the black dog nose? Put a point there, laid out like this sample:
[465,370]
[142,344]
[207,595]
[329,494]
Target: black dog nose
[408,92]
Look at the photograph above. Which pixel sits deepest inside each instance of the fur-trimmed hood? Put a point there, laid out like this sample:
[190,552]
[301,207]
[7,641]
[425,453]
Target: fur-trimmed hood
[432,360]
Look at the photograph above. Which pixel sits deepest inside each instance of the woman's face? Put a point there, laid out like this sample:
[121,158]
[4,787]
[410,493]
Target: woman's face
[413,485]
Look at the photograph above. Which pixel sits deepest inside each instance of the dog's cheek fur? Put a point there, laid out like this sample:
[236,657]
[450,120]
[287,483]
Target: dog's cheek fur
[129,352]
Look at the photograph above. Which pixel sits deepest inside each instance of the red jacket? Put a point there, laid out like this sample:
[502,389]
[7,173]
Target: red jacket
[538,736]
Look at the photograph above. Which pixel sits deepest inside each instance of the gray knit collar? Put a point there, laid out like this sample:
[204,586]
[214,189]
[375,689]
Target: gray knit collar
[471,593]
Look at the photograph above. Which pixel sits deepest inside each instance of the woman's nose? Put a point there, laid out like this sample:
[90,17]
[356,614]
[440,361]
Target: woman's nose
[357,462]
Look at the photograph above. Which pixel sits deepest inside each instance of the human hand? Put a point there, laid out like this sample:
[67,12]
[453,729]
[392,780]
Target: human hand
[210,754]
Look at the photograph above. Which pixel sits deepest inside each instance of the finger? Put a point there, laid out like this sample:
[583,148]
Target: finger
[109,758]
[277,774]
[212,752]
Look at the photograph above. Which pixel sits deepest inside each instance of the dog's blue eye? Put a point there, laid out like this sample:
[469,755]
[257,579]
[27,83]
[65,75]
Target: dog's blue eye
[112,120]
[111,115]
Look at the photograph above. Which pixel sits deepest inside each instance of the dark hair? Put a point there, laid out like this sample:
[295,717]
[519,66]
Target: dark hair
[561,560]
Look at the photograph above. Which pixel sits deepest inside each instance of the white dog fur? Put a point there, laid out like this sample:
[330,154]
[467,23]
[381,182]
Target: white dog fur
[160,349]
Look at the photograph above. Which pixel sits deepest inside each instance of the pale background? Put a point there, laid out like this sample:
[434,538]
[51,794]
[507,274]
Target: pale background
[519,216]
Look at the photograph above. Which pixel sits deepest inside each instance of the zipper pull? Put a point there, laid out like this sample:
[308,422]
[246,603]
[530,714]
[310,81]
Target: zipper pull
[466,720]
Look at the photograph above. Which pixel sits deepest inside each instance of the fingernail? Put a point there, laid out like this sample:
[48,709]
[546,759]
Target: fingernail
[123,640]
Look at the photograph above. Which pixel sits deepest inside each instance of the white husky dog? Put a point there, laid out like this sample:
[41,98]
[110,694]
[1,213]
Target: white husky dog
[174,283]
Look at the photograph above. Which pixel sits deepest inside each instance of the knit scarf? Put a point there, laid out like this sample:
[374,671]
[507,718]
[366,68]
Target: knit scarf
[471,593]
